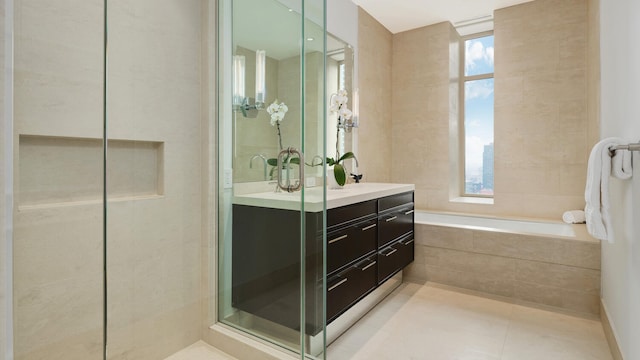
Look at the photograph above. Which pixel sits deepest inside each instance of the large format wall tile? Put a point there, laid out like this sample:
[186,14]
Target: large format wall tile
[564,273]
[3,170]
[375,85]
[154,126]
[544,121]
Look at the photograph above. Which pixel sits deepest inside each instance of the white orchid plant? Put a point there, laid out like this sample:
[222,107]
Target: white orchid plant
[338,106]
[278,111]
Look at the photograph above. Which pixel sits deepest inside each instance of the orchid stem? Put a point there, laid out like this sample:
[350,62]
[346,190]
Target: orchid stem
[279,135]
[337,140]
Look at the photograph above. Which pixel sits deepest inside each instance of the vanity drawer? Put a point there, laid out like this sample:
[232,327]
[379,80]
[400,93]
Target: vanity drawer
[348,286]
[350,243]
[395,223]
[406,251]
[392,201]
[395,257]
[349,213]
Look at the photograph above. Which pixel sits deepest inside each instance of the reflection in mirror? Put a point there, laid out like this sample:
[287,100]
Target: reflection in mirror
[340,65]
[259,134]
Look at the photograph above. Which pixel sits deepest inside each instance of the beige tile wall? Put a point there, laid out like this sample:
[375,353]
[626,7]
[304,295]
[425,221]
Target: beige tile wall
[593,71]
[542,134]
[374,81]
[421,94]
[154,244]
[155,77]
[544,121]
[58,250]
[3,170]
[555,272]
[208,136]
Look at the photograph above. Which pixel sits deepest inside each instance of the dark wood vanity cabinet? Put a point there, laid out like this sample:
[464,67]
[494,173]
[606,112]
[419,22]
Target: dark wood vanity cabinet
[366,244]
[265,275]
[395,234]
[346,287]
[352,239]
[352,242]
[379,244]
[394,257]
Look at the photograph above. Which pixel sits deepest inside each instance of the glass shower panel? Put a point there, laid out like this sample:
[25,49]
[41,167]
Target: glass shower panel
[58,293]
[314,134]
[156,150]
[271,121]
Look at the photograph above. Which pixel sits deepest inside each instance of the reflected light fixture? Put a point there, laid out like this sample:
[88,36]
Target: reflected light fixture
[238,79]
[261,64]
[241,102]
[355,114]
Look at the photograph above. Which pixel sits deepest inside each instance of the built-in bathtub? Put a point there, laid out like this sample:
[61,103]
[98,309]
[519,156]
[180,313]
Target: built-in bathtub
[545,262]
[533,227]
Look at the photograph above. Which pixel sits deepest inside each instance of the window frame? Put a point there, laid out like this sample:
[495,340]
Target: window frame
[463,79]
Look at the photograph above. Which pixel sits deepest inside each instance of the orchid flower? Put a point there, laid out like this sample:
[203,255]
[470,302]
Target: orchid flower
[277,112]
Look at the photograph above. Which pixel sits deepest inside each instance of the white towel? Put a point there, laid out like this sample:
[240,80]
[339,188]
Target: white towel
[621,167]
[574,217]
[596,193]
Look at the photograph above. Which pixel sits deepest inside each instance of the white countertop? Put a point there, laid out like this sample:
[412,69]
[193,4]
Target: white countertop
[313,197]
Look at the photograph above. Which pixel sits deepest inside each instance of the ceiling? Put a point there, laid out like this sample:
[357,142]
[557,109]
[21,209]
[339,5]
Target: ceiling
[254,28]
[402,15]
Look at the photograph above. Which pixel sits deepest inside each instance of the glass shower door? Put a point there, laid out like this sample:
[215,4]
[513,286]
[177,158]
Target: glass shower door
[271,204]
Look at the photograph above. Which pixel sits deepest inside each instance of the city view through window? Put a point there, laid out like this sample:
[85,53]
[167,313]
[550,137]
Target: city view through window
[478,116]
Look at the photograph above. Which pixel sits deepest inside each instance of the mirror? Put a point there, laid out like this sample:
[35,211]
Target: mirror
[257,139]
[340,68]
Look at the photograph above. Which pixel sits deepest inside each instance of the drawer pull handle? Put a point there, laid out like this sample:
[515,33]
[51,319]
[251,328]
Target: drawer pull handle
[369,227]
[338,284]
[409,212]
[391,218]
[338,239]
[406,242]
[368,266]
[393,250]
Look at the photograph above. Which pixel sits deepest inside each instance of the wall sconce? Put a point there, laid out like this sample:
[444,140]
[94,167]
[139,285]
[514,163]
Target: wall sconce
[247,105]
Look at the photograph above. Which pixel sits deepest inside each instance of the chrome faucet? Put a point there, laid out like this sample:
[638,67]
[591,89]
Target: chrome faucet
[354,175]
[314,159]
[264,163]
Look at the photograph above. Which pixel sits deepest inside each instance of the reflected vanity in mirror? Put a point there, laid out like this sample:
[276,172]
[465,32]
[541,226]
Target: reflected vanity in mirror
[266,96]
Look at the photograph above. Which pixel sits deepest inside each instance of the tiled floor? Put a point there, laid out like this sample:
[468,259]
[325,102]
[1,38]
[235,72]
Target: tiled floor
[200,351]
[429,322]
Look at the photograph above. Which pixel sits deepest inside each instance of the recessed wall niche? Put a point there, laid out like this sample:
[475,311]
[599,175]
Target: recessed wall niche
[63,170]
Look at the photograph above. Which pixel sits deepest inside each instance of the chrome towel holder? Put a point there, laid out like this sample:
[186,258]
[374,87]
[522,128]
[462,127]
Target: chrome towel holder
[628,147]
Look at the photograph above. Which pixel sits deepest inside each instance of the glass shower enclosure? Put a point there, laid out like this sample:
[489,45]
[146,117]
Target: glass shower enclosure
[271,197]
[106,177]
[141,145]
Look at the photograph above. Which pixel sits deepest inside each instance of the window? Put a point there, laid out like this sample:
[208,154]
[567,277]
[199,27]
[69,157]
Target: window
[477,114]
